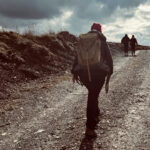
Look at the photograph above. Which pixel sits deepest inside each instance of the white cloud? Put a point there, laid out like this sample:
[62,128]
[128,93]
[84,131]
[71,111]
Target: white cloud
[134,25]
[50,25]
[145,7]
[116,17]
[61,21]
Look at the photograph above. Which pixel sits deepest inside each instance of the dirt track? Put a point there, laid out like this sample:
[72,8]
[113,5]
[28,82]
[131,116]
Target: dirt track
[50,114]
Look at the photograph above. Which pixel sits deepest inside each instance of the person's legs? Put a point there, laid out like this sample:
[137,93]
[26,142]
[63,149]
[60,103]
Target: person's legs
[92,112]
[97,91]
[127,49]
[92,104]
[134,53]
[133,50]
[124,50]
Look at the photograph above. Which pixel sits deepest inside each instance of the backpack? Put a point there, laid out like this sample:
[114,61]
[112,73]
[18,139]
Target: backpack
[89,51]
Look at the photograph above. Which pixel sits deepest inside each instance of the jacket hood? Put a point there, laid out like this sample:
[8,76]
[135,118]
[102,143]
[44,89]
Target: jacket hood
[101,35]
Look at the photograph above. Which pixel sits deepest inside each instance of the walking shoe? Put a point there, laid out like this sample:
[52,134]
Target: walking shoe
[90,133]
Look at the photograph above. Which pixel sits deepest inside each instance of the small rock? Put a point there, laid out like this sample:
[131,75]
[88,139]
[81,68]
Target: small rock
[63,148]
[15,141]
[8,108]
[45,106]
[56,137]
[3,134]
[39,131]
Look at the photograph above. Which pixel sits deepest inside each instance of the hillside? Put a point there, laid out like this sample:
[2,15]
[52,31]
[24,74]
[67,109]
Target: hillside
[26,57]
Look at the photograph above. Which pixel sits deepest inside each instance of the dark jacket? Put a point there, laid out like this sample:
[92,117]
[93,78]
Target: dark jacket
[133,41]
[125,40]
[105,54]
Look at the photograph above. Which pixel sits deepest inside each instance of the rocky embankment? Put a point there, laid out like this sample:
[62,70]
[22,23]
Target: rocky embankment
[26,57]
[32,56]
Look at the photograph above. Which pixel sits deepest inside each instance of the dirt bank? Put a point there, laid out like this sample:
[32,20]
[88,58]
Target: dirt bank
[28,57]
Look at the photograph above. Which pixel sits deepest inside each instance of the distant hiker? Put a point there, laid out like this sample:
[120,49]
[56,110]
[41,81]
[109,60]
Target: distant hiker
[133,43]
[125,41]
[92,65]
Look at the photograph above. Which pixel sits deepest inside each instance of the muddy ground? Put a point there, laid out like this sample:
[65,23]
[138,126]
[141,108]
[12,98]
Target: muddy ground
[50,113]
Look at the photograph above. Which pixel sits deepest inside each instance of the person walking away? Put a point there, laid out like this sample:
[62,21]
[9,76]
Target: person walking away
[92,66]
[133,43]
[125,41]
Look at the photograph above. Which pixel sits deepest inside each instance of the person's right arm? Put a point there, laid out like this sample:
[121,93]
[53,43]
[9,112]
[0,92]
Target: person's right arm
[136,42]
[107,83]
[109,58]
[110,63]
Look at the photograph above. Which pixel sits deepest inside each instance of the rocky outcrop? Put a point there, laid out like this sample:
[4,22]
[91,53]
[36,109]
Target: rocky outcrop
[44,54]
[25,57]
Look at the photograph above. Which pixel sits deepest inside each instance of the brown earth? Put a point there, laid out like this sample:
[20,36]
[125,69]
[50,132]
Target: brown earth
[28,57]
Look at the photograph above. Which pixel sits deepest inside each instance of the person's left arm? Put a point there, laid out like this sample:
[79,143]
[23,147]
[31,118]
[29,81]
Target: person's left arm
[136,42]
[110,63]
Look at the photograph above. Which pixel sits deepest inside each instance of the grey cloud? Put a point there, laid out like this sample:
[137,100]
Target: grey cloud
[30,9]
[142,38]
[145,14]
[122,3]
[147,29]
[14,22]
[39,9]
[85,12]
[92,9]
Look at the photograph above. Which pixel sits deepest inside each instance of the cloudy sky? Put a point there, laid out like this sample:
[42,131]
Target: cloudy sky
[117,17]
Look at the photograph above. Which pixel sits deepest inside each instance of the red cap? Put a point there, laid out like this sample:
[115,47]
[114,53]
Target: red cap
[96,26]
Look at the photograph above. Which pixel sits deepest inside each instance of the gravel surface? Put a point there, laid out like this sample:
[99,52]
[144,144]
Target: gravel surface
[50,114]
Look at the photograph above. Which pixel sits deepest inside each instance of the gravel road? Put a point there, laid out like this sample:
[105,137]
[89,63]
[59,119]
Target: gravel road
[50,114]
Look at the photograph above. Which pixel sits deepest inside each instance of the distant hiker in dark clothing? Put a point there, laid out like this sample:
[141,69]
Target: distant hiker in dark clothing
[133,43]
[98,66]
[125,41]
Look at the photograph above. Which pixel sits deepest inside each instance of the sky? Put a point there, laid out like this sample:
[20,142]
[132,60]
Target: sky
[117,17]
